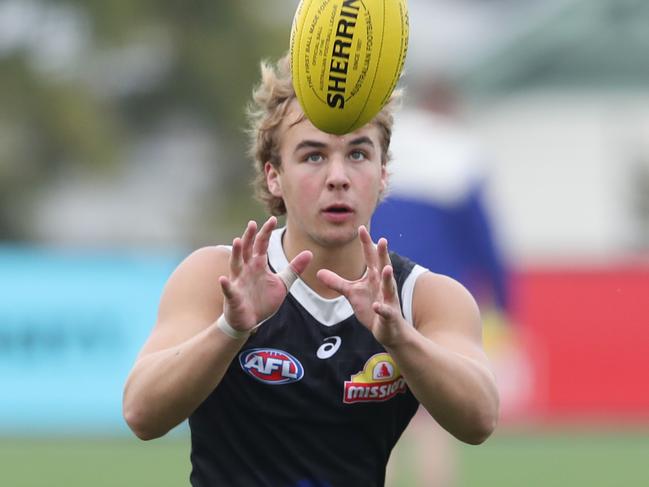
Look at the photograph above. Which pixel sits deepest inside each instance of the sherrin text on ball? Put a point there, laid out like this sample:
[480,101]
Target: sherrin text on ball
[346,59]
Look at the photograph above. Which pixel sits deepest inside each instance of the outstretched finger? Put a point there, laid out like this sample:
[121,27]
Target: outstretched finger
[386,312]
[235,258]
[369,251]
[226,288]
[333,281]
[388,286]
[248,239]
[384,255]
[260,246]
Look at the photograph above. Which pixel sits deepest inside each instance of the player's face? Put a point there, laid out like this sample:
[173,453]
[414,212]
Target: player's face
[330,184]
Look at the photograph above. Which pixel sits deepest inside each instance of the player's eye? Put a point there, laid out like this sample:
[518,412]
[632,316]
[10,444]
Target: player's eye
[357,155]
[313,157]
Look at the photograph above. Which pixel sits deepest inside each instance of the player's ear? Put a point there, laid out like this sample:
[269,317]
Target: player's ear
[383,185]
[273,180]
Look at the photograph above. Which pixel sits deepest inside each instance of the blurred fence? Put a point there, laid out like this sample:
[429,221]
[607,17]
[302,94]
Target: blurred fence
[586,333]
[71,324]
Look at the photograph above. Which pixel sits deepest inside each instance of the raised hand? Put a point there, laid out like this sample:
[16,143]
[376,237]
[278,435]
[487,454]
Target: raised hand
[252,292]
[373,297]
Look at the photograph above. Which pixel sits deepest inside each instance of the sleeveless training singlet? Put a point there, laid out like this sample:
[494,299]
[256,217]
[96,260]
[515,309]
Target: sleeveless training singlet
[311,400]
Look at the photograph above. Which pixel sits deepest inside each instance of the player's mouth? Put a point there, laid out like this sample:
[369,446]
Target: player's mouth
[338,213]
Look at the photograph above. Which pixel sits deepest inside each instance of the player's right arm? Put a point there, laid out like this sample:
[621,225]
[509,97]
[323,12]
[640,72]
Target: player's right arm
[187,353]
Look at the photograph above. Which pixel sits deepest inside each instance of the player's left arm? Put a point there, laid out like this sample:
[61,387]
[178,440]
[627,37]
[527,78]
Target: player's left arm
[443,361]
[441,356]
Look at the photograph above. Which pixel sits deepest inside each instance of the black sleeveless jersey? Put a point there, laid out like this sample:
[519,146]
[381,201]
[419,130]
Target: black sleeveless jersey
[311,400]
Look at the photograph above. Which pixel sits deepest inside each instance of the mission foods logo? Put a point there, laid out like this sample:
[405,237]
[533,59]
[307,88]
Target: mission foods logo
[379,380]
[271,366]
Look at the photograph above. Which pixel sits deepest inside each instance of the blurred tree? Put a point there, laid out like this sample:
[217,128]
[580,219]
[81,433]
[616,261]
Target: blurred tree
[141,62]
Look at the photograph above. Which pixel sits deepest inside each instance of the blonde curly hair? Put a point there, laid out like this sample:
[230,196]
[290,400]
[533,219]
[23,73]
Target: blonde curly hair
[270,102]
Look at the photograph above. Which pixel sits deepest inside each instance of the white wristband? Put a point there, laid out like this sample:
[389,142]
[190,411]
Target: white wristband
[225,327]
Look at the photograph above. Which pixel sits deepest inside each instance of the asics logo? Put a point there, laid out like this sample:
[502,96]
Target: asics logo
[327,349]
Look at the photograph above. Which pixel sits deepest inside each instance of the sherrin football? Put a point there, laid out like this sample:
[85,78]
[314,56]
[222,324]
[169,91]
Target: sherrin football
[346,59]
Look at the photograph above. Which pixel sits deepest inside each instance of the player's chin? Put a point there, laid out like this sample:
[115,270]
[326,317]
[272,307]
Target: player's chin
[333,235]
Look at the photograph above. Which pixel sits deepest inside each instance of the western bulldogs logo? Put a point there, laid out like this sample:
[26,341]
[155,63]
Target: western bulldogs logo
[271,366]
[380,380]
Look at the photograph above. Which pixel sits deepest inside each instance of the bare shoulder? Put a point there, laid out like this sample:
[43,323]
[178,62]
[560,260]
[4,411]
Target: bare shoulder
[194,277]
[191,299]
[443,305]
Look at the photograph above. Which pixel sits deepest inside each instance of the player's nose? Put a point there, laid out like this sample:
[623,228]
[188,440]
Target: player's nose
[337,174]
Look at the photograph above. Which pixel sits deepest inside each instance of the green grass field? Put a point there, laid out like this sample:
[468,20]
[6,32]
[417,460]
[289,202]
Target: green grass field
[550,459]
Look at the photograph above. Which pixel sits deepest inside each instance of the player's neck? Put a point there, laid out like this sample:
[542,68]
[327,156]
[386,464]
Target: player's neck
[346,260]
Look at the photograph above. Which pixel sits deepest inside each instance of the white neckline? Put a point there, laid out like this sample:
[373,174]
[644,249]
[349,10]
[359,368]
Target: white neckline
[329,312]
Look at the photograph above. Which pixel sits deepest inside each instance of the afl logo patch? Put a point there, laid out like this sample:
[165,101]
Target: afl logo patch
[271,366]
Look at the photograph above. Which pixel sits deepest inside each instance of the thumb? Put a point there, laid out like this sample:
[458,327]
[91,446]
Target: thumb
[301,261]
[332,280]
[385,311]
[295,268]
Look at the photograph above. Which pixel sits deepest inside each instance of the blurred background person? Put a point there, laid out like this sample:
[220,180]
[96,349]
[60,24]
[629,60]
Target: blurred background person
[436,212]
[437,195]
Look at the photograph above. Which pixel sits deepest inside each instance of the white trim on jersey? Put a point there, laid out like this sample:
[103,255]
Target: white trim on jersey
[331,311]
[408,291]
[327,311]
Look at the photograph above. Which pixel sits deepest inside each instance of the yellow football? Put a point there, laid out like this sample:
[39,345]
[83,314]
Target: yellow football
[346,59]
